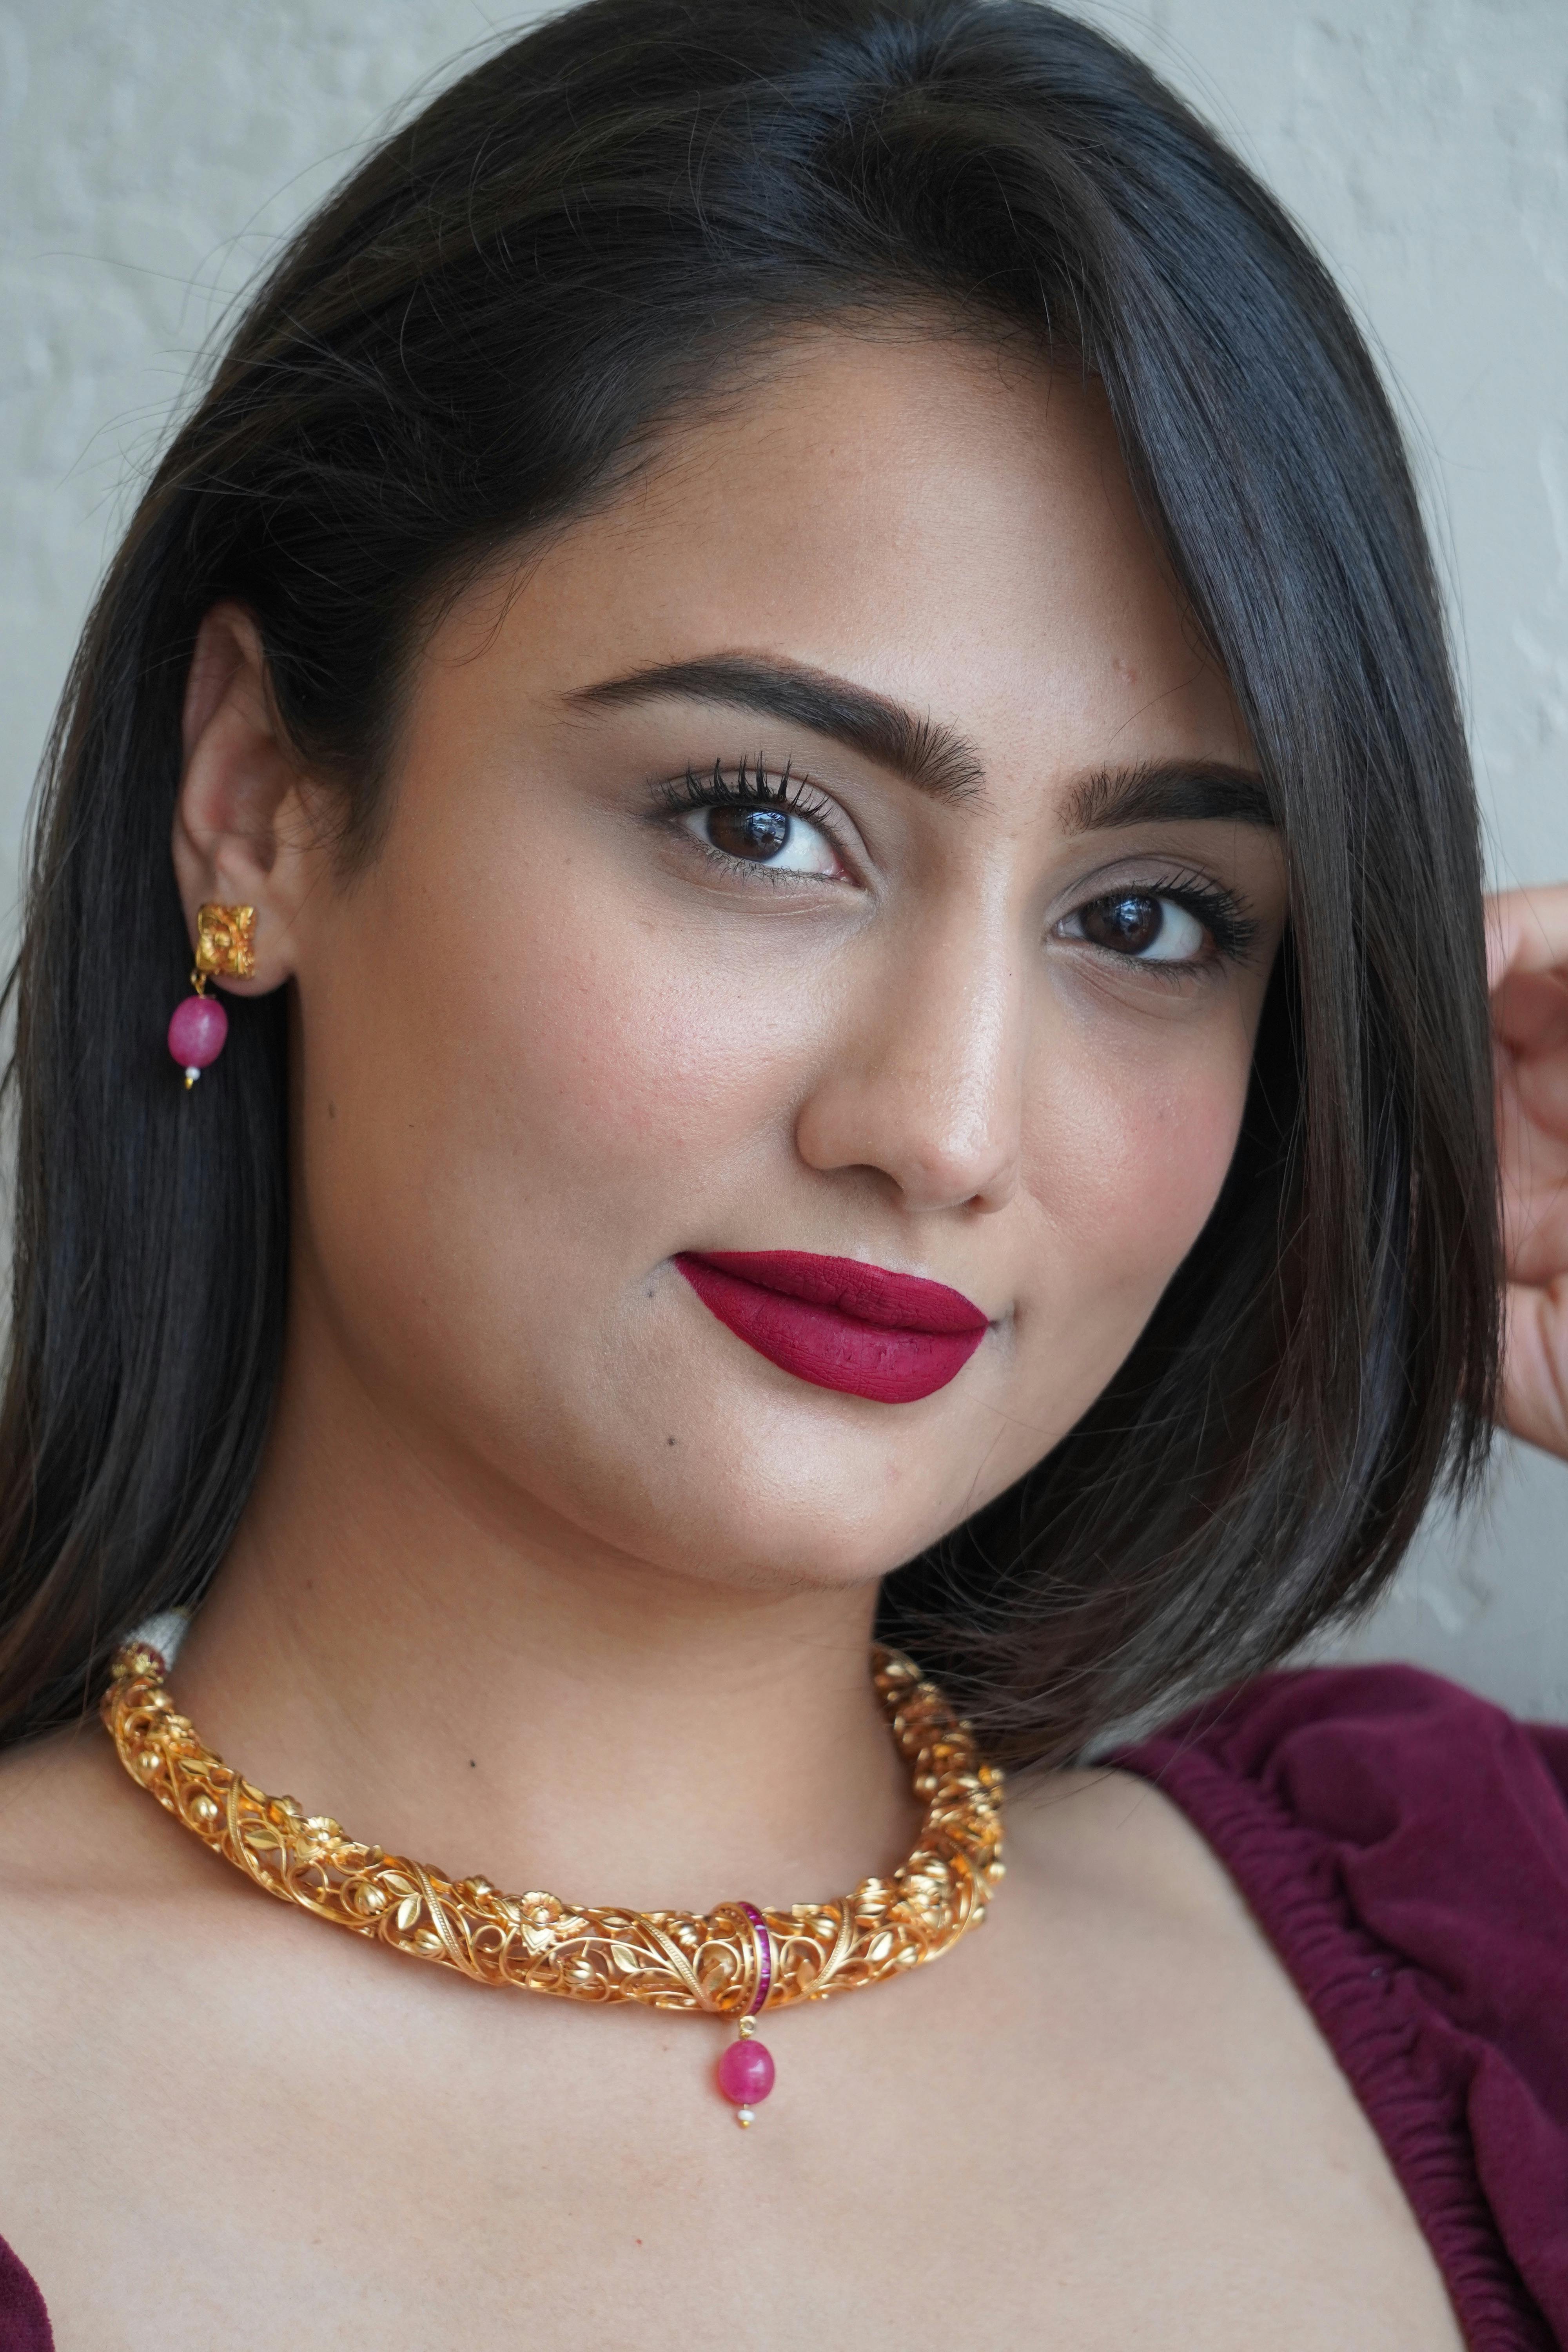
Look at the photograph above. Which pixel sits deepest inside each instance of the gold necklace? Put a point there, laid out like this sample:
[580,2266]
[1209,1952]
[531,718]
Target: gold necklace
[733,1963]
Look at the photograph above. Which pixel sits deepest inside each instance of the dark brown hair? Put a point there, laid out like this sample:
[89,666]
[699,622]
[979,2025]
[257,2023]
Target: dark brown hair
[489,319]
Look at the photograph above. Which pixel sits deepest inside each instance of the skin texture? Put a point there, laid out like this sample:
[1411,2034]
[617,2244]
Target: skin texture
[547,1575]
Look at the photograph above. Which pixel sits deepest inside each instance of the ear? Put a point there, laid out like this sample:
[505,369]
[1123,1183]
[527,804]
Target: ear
[245,833]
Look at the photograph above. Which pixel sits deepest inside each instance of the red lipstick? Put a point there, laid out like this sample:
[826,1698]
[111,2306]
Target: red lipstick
[837,1322]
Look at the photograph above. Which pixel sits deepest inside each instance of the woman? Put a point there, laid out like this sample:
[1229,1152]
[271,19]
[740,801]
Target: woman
[804,730]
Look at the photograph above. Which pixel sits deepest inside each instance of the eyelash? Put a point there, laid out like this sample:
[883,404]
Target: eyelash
[747,787]
[1219,910]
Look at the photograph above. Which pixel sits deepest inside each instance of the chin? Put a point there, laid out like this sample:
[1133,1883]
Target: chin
[833,1526]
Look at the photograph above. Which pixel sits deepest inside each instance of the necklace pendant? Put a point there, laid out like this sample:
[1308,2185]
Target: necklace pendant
[746,2069]
[746,2073]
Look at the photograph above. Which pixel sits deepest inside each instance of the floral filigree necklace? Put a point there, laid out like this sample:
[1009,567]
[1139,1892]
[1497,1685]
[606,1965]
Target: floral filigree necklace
[733,1963]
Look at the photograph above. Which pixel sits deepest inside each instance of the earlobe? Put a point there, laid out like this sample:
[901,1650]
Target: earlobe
[242,834]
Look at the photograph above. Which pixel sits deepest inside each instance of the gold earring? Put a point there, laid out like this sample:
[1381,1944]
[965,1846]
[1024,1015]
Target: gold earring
[225,944]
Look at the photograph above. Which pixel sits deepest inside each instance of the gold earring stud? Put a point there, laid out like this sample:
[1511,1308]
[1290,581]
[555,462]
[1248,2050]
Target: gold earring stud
[225,944]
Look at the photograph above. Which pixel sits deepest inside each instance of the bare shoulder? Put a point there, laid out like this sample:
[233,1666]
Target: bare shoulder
[1113,1844]
[1115,1890]
[1166,2020]
[70,1825]
[94,1890]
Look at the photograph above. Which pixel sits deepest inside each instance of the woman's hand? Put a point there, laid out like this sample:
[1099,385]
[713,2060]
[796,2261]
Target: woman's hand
[1528,958]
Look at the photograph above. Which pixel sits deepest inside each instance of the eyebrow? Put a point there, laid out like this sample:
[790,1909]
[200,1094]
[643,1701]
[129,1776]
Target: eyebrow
[1168,791]
[928,752]
[925,752]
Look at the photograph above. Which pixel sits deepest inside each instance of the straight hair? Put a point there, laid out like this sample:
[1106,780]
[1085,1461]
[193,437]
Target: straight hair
[487,327]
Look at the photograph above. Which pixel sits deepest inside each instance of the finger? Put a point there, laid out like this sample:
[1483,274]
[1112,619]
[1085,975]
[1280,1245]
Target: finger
[1529,1020]
[1527,931]
[1534,1400]
[1535,1231]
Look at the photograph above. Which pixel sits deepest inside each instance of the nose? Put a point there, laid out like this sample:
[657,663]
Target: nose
[924,1083]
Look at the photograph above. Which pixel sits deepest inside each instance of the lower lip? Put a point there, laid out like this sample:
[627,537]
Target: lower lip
[857,1328]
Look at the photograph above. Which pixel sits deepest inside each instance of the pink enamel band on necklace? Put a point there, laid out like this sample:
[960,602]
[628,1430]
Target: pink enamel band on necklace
[764,1944]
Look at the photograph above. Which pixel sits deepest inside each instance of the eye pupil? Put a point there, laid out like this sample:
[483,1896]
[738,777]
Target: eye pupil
[751,833]
[1128,925]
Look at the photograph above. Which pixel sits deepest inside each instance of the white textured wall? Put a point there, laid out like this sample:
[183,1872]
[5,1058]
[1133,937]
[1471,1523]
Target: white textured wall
[152,150]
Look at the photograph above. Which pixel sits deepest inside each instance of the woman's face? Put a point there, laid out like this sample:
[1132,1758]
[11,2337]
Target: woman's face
[836,846]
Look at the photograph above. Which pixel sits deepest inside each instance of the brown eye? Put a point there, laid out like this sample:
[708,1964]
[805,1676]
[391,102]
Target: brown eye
[758,833]
[754,833]
[1139,925]
[1128,926]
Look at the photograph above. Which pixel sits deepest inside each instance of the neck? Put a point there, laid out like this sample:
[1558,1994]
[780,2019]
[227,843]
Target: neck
[483,1688]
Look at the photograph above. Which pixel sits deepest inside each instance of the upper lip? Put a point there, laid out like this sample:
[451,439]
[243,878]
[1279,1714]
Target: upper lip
[871,1294]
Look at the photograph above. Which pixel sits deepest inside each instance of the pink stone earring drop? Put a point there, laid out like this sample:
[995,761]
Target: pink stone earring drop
[198,1031]
[746,2069]
[226,939]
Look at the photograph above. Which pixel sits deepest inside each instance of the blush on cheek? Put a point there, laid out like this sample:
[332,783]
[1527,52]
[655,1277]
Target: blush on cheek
[1184,1145]
[1137,1175]
[649,1065]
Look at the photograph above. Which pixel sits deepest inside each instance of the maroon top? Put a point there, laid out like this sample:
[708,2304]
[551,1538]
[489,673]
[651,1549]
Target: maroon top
[24,2321]
[1404,1848]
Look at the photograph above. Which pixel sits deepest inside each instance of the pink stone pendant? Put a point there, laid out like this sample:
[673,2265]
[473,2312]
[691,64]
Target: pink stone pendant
[196,1034]
[746,2069]
[746,2073]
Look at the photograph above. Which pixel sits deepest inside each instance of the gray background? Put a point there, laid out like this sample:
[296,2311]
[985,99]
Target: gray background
[151,151]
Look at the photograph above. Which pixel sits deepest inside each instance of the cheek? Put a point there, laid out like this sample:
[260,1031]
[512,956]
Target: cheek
[636,1070]
[1127,1148]
[548,1103]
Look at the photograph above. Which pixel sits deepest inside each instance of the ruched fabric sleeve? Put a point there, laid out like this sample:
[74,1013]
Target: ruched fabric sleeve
[1405,1847]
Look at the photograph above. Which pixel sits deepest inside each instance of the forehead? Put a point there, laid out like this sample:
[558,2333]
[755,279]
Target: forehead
[947,523]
